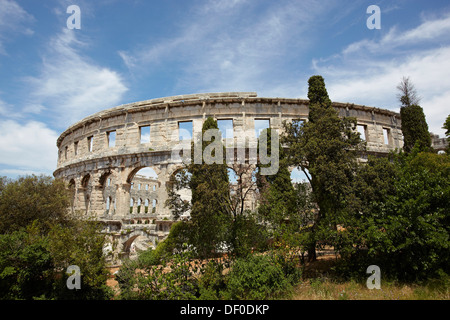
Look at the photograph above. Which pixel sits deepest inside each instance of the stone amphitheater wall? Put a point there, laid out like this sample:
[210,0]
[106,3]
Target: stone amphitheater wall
[100,155]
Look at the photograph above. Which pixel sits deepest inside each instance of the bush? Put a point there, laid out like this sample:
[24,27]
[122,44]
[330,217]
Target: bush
[257,277]
[212,283]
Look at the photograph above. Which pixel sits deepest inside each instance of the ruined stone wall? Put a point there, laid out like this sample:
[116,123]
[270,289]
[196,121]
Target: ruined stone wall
[100,155]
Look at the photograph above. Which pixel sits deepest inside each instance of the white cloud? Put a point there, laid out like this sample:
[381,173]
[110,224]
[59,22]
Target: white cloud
[427,31]
[70,86]
[367,72]
[13,19]
[222,47]
[29,147]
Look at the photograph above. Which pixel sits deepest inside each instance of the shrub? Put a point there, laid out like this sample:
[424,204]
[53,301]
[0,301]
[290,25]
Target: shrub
[257,277]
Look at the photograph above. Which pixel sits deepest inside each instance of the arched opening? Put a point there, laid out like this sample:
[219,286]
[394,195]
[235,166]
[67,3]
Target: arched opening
[131,205]
[243,187]
[108,183]
[146,205]
[143,180]
[72,193]
[86,185]
[298,176]
[179,193]
[135,244]
[108,204]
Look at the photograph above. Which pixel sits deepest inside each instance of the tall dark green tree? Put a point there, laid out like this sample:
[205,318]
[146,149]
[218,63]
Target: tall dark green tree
[278,196]
[447,127]
[415,129]
[447,132]
[325,148]
[210,211]
[414,125]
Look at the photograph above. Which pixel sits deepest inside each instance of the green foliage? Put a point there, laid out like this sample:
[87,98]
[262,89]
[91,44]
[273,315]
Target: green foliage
[404,223]
[447,126]
[326,149]
[210,214]
[212,283]
[32,198]
[415,129]
[25,265]
[447,132]
[277,194]
[182,277]
[81,243]
[38,242]
[257,277]
[173,279]
[175,242]
[247,236]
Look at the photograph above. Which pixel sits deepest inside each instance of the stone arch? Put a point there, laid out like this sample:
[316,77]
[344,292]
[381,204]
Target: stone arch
[108,187]
[85,180]
[72,187]
[184,193]
[143,176]
[245,188]
[86,188]
[145,241]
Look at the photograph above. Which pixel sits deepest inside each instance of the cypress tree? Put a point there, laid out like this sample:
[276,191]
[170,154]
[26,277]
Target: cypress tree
[325,148]
[414,129]
[414,125]
[210,214]
[278,197]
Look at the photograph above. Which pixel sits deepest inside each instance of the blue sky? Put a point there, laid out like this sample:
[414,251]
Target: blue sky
[126,51]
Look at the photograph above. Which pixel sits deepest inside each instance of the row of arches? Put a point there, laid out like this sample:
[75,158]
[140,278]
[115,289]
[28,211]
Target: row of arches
[105,193]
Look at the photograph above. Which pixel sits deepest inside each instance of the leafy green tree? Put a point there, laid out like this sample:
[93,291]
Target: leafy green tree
[39,241]
[26,266]
[80,243]
[218,218]
[176,242]
[210,210]
[326,149]
[447,126]
[32,198]
[403,225]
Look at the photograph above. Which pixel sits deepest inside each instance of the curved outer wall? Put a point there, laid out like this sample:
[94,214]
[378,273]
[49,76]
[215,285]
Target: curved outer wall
[101,176]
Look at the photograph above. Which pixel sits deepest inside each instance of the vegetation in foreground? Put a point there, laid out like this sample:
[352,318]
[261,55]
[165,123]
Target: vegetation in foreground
[391,212]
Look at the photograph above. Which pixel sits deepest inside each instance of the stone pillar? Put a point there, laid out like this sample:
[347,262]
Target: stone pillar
[98,204]
[122,199]
[163,178]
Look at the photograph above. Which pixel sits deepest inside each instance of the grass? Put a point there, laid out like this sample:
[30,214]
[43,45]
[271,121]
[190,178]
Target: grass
[318,284]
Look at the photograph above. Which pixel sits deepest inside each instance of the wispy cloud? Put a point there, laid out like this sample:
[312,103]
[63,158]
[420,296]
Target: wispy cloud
[368,71]
[224,49]
[427,31]
[13,19]
[70,85]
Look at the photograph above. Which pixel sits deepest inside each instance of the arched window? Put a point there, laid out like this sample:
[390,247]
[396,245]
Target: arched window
[108,204]
[131,205]
[146,205]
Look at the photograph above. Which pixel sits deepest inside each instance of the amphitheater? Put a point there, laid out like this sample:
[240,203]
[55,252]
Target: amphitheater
[102,156]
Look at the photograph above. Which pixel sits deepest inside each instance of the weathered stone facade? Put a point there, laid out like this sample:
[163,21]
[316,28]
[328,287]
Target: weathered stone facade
[437,143]
[101,155]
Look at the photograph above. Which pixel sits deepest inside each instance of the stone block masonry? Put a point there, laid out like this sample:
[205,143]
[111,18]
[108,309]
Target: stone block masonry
[101,155]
